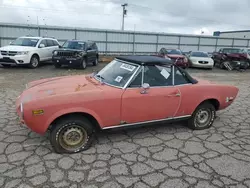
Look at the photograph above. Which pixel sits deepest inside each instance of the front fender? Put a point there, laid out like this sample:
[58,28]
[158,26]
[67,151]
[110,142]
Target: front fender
[73,110]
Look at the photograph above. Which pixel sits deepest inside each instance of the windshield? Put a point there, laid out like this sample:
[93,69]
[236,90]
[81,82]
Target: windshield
[173,51]
[199,54]
[116,73]
[74,45]
[25,42]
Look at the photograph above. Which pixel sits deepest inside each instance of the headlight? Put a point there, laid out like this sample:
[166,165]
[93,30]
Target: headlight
[185,59]
[22,53]
[55,53]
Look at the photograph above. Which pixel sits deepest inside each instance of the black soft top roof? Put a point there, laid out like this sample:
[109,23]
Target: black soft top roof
[145,60]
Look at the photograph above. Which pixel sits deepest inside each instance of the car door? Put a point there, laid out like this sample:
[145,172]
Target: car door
[43,51]
[160,101]
[50,48]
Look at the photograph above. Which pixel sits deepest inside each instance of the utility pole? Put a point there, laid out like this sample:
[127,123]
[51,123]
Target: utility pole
[124,13]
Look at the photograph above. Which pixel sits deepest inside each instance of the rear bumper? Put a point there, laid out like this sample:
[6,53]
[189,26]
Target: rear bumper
[67,61]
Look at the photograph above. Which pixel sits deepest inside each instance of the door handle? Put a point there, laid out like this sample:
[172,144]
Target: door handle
[174,95]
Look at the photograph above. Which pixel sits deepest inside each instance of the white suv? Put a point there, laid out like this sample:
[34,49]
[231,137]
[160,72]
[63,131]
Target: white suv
[28,51]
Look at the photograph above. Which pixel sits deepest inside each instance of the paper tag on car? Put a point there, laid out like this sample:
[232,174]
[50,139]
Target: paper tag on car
[165,73]
[127,67]
[118,79]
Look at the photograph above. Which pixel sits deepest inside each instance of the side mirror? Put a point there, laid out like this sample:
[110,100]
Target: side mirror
[10,42]
[145,87]
[41,46]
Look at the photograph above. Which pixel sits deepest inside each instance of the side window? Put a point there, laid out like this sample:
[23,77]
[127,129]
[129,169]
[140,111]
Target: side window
[137,81]
[55,43]
[157,76]
[44,42]
[50,43]
[89,46]
[179,78]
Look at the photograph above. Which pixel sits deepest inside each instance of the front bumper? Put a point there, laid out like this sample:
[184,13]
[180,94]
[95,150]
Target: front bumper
[67,61]
[199,65]
[15,60]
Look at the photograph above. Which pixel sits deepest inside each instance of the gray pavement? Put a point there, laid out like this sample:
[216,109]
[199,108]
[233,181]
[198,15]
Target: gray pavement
[164,156]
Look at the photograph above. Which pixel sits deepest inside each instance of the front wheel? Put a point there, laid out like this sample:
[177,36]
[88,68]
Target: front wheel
[71,135]
[34,62]
[95,63]
[84,63]
[203,117]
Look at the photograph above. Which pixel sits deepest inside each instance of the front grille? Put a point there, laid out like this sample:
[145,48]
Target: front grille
[65,54]
[9,53]
[203,62]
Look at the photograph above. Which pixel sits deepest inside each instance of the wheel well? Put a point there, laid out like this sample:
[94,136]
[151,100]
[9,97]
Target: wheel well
[36,56]
[92,120]
[214,102]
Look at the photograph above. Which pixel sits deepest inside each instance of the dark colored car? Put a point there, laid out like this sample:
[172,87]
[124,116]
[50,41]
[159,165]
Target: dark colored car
[234,57]
[76,53]
[175,55]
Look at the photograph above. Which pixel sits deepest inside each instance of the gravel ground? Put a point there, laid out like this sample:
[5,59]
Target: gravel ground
[160,156]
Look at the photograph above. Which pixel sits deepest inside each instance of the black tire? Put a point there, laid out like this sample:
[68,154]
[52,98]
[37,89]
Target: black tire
[57,65]
[203,109]
[78,125]
[34,62]
[84,63]
[95,63]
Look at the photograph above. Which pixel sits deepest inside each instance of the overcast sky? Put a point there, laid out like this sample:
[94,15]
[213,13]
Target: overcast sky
[170,16]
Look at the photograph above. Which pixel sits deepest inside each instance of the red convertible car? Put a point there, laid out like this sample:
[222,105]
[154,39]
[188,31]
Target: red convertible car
[129,91]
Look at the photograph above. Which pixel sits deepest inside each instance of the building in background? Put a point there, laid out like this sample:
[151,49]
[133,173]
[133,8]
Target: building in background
[245,34]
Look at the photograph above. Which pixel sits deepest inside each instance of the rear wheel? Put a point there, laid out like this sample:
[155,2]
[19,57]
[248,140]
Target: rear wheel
[71,135]
[203,117]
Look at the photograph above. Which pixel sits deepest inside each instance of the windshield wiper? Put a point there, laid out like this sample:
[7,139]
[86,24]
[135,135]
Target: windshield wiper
[99,76]
[102,79]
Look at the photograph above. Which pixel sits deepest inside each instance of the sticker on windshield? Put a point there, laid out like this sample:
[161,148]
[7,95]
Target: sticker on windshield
[118,79]
[165,73]
[127,67]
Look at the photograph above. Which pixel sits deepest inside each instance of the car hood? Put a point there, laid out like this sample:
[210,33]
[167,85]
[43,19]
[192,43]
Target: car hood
[17,48]
[200,59]
[175,56]
[69,49]
[59,86]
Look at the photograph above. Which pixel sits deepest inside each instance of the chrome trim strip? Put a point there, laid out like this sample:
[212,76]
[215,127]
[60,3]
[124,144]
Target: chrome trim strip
[21,110]
[173,75]
[131,78]
[145,122]
[142,80]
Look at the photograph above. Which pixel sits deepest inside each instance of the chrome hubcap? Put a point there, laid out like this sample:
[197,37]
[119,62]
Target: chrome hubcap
[73,138]
[202,118]
[34,62]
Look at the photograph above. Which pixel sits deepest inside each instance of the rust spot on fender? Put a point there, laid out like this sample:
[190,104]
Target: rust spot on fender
[78,88]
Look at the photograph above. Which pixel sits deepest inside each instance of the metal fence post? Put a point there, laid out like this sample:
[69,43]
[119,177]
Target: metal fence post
[179,42]
[0,41]
[233,42]
[199,42]
[216,44]
[75,33]
[133,43]
[248,43]
[106,42]
[157,43]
